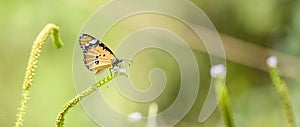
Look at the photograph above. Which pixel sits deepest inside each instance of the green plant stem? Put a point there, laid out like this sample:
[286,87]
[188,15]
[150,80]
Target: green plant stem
[32,64]
[224,103]
[284,96]
[60,118]
[152,112]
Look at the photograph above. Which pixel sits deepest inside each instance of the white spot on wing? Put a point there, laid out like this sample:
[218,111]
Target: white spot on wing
[93,41]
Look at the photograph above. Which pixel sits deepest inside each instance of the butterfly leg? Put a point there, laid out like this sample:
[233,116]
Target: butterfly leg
[110,71]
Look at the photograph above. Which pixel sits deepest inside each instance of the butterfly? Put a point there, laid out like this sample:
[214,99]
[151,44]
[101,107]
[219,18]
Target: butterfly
[96,55]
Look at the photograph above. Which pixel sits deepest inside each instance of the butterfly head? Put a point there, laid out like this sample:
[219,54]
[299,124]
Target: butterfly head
[116,62]
[120,66]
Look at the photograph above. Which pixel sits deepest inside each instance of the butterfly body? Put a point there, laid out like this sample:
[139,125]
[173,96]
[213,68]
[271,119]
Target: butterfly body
[96,55]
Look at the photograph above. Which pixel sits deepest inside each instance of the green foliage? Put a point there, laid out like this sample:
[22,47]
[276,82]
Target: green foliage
[249,88]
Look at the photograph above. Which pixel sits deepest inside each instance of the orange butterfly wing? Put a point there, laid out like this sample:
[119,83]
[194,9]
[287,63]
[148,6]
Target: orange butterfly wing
[97,58]
[96,55]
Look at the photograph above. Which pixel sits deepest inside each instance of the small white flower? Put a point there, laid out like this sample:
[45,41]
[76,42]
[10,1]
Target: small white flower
[218,70]
[135,116]
[272,61]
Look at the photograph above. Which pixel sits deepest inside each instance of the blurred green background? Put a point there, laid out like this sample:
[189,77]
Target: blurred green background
[273,24]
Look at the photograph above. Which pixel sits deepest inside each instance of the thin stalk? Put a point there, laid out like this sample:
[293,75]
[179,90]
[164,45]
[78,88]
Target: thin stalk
[224,103]
[61,115]
[281,89]
[32,64]
[152,112]
[284,96]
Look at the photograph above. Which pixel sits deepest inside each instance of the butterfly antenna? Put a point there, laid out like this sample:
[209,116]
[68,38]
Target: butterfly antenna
[128,61]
